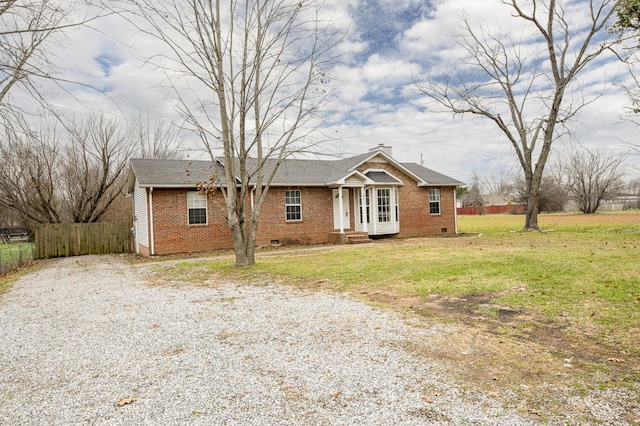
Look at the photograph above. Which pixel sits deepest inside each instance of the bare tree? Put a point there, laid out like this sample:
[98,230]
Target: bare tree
[63,174]
[631,193]
[256,69]
[25,25]
[501,183]
[474,196]
[552,195]
[29,174]
[593,177]
[525,91]
[160,141]
[92,175]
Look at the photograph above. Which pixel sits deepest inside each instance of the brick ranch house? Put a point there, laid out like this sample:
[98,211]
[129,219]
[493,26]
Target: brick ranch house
[309,202]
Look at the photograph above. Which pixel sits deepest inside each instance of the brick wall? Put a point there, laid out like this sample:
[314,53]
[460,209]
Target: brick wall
[316,223]
[173,234]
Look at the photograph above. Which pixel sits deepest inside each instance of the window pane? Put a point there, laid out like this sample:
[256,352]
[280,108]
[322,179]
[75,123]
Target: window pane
[196,200]
[384,205]
[197,208]
[293,213]
[293,204]
[434,201]
[197,216]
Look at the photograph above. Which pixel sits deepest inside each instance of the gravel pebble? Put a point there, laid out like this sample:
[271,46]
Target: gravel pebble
[82,335]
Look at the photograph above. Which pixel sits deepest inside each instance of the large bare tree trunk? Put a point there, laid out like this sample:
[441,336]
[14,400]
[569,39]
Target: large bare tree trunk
[533,198]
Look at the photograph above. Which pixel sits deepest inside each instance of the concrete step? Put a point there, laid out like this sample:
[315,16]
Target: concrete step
[357,238]
[363,240]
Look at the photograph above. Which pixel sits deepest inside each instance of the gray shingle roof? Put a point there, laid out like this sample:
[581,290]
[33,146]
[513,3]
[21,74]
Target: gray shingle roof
[186,173]
[381,177]
[430,177]
[171,173]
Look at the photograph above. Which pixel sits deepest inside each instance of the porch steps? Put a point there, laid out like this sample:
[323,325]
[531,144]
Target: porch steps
[357,238]
[349,237]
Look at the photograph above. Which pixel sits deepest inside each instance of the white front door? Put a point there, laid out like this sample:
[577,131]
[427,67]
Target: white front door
[337,212]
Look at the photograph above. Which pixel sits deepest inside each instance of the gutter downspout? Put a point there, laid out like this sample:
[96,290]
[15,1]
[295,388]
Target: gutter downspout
[153,250]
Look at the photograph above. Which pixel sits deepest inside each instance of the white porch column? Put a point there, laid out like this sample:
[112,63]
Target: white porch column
[341,208]
[363,206]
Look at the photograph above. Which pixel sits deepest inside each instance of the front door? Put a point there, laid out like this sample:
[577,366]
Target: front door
[344,213]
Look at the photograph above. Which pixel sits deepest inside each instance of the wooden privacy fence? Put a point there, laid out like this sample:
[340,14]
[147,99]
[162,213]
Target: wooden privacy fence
[76,239]
[510,208]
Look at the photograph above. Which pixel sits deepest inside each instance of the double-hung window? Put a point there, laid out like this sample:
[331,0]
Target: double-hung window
[384,205]
[434,201]
[293,204]
[197,208]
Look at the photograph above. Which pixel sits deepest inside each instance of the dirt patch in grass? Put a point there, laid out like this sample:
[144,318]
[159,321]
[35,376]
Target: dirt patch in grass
[514,355]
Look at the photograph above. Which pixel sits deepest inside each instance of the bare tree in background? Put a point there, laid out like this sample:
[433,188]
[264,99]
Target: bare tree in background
[29,174]
[553,194]
[256,71]
[160,141]
[92,174]
[526,92]
[25,25]
[474,195]
[593,177]
[63,174]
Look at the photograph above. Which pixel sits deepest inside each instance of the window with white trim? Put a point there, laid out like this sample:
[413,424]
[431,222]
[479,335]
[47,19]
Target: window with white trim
[384,205]
[434,201]
[293,204]
[366,207]
[197,208]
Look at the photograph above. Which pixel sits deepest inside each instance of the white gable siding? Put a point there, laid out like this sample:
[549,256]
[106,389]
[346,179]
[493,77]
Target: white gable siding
[353,180]
[140,214]
[378,159]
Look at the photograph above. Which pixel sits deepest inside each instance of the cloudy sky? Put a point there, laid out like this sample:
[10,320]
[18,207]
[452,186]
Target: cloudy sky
[389,45]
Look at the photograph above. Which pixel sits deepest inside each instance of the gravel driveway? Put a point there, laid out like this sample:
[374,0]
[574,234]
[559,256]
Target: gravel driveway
[86,341]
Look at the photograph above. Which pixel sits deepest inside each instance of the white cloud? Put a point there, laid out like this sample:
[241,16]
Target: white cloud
[388,71]
[374,100]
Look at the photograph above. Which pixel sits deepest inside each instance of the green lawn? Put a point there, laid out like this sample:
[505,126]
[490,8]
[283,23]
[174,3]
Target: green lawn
[583,274]
[13,254]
